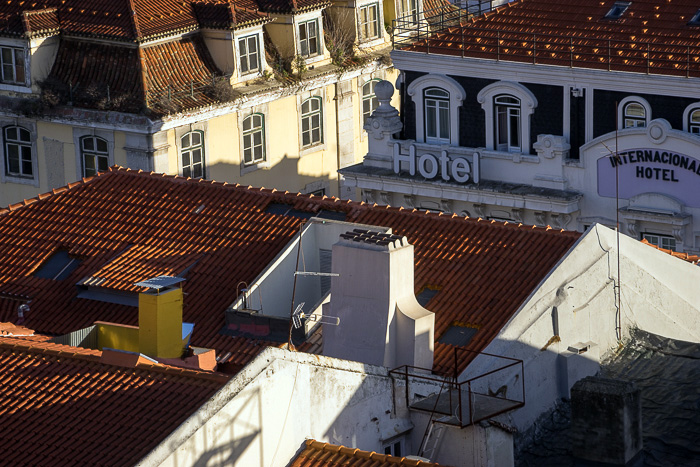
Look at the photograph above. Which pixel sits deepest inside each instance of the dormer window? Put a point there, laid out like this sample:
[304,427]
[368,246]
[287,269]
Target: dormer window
[249,54]
[695,20]
[369,22]
[617,10]
[12,64]
[308,38]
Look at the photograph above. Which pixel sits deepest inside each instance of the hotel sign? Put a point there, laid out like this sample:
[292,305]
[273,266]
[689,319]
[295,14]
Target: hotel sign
[650,171]
[446,167]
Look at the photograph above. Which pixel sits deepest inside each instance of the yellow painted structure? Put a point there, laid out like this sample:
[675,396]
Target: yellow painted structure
[160,323]
[117,336]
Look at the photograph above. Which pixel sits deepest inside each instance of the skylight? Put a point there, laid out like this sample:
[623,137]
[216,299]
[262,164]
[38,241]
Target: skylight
[617,10]
[695,20]
[58,266]
[458,335]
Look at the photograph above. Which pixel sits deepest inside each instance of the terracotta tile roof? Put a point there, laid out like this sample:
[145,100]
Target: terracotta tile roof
[292,6]
[692,259]
[126,20]
[650,37]
[485,270]
[317,454]
[175,73]
[61,405]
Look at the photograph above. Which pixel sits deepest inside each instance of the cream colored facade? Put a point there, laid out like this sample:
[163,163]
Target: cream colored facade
[139,142]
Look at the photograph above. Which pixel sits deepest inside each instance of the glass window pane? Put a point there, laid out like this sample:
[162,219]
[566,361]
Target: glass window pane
[253,44]
[103,164]
[89,160]
[246,124]
[88,144]
[247,156]
[242,47]
[305,124]
[514,130]
[430,120]
[305,107]
[634,110]
[185,159]
[246,142]
[197,171]
[6,55]
[27,167]
[695,116]
[101,145]
[444,123]
[196,138]
[257,138]
[196,156]
[186,172]
[186,141]
[306,138]
[24,135]
[11,133]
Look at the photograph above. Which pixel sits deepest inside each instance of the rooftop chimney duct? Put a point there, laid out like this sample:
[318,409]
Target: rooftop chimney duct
[160,318]
[381,322]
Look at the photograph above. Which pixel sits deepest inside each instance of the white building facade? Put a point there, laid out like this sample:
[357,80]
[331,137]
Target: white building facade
[594,124]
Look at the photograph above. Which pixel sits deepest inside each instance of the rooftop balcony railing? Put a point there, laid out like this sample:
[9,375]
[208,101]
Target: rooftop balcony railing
[449,31]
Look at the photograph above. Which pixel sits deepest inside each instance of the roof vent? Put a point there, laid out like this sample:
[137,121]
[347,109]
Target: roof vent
[617,10]
[160,282]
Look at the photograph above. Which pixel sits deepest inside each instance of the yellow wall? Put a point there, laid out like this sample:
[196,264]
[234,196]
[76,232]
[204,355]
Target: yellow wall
[117,336]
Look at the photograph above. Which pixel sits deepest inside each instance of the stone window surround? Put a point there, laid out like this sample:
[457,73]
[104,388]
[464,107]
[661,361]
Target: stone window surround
[627,100]
[305,18]
[686,115]
[19,44]
[31,127]
[528,103]
[457,96]
[301,98]
[182,131]
[264,111]
[243,77]
[78,134]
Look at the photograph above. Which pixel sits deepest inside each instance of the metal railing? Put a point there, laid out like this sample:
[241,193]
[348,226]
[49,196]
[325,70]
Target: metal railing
[461,403]
[449,32]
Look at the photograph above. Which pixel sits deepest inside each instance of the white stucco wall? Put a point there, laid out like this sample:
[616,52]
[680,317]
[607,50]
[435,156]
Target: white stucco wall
[659,294]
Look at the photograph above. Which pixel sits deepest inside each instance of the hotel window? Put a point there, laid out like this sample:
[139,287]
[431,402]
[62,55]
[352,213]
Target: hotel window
[369,99]
[311,122]
[192,154]
[18,152]
[507,113]
[94,154]
[13,67]
[249,53]
[308,38]
[437,115]
[635,115]
[694,121]
[369,21]
[408,9]
[662,241]
[253,139]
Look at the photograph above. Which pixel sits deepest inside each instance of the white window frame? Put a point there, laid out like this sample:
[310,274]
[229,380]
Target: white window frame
[433,106]
[364,23]
[94,153]
[457,96]
[407,8]
[621,114]
[319,34]
[667,242]
[309,115]
[190,149]
[15,53]
[510,126]
[21,146]
[370,98]
[250,133]
[246,57]
[692,128]
[528,104]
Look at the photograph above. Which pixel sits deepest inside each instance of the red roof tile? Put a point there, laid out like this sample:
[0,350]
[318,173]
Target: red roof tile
[126,20]
[60,405]
[317,454]
[650,37]
[692,259]
[485,269]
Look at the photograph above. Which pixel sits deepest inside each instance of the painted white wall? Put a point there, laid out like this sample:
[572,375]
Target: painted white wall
[659,294]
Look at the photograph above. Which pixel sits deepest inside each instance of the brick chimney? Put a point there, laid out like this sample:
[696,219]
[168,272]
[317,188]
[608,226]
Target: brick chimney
[381,322]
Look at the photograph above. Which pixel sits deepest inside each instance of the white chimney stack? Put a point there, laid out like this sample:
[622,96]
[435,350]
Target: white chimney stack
[381,322]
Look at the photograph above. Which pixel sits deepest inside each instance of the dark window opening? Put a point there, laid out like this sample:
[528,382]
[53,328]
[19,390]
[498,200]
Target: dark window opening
[458,335]
[58,267]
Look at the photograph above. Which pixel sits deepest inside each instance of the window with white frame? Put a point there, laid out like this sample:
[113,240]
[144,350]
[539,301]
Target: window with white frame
[311,122]
[253,139]
[94,154]
[309,38]
[249,53]
[662,241]
[18,152]
[394,447]
[369,99]
[369,22]
[635,115]
[694,121]
[408,9]
[437,115]
[507,125]
[192,154]
[13,67]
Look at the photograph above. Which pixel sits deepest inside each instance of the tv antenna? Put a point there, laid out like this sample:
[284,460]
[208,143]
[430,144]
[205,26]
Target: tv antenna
[299,314]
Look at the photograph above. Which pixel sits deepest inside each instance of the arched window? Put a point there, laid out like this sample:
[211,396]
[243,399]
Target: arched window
[311,122]
[635,115]
[253,139]
[94,154]
[18,152]
[694,121]
[192,154]
[369,99]
[508,125]
[437,115]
